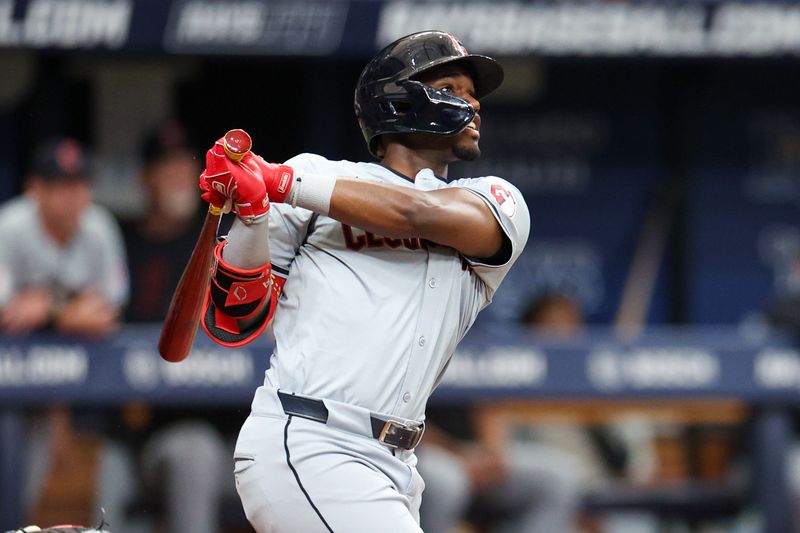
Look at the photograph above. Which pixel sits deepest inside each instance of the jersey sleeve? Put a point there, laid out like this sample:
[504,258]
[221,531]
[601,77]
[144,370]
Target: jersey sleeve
[288,226]
[511,212]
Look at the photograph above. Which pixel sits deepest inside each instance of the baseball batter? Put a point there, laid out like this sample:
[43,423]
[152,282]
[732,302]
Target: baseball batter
[371,272]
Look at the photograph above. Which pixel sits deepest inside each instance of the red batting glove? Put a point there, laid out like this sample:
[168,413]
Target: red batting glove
[210,194]
[278,179]
[223,179]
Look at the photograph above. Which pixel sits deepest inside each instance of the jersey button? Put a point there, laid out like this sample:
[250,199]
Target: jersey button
[422,341]
[407,397]
[432,283]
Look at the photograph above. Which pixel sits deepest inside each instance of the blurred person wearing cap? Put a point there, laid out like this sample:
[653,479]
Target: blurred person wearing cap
[62,268]
[62,261]
[160,241]
[178,458]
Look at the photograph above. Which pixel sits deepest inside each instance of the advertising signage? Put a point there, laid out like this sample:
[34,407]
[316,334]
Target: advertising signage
[359,27]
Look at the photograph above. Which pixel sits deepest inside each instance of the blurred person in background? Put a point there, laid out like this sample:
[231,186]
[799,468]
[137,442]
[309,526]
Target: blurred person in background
[554,315]
[62,268]
[558,317]
[160,241]
[473,469]
[601,451]
[178,461]
[62,262]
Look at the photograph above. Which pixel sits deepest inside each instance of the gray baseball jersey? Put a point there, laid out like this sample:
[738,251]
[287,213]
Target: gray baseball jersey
[373,321]
[28,256]
[367,324]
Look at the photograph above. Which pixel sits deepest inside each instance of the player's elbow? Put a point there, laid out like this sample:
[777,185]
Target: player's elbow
[422,213]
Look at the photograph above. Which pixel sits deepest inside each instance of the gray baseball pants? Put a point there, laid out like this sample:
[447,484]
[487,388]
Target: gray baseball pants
[303,476]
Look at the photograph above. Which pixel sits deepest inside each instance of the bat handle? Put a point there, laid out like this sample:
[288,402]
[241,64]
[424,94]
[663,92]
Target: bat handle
[237,143]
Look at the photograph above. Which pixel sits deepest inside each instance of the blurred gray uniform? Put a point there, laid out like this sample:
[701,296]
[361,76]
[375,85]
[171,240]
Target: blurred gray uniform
[539,494]
[368,325]
[94,258]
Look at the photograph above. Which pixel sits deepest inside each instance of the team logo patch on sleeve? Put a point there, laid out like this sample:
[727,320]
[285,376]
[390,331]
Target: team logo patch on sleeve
[504,199]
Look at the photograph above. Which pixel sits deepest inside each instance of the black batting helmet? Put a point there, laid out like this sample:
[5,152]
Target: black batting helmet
[389,100]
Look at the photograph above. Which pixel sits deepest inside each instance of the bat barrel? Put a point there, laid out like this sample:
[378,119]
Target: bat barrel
[183,316]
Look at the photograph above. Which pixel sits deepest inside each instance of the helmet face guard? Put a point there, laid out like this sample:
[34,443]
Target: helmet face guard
[415,107]
[389,100]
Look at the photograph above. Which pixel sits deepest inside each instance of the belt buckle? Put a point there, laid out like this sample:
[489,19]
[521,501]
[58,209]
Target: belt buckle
[390,428]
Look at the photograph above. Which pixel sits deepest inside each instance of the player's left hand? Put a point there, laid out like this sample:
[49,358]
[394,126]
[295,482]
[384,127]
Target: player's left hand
[242,183]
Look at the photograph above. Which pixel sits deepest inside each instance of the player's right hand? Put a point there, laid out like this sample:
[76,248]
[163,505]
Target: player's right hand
[224,179]
[278,179]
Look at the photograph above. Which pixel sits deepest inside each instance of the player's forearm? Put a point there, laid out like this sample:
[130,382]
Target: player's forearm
[242,293]
[395,212]
[452,217]
[248,248]
[248,245]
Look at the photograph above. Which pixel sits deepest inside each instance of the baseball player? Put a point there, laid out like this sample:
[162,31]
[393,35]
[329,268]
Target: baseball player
[371,273]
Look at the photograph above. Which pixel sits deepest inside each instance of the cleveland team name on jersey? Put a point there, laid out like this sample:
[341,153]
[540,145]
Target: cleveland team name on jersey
[356,240]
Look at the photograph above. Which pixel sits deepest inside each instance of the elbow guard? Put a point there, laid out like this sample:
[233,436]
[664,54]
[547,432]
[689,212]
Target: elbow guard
[236,294]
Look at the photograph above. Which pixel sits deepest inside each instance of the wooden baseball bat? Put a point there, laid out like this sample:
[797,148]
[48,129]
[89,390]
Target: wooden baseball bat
[183,316]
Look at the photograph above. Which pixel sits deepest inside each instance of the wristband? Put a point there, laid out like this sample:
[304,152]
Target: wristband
[312,192]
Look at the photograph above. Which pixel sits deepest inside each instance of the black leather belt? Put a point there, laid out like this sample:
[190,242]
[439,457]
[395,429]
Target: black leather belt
[389,432]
